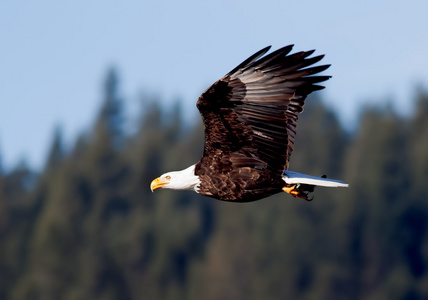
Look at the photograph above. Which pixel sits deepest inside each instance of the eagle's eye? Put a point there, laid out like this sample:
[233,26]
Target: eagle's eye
[168,177]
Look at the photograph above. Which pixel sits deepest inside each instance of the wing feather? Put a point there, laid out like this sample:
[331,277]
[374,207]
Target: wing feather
[250,60]
[253,110]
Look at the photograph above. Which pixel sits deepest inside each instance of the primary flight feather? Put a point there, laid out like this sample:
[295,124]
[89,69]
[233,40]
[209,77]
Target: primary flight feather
[250,117]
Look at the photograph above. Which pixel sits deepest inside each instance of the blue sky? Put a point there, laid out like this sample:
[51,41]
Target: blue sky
[54,56]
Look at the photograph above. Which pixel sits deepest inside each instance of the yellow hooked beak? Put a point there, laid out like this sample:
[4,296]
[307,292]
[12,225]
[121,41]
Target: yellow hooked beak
[158,183]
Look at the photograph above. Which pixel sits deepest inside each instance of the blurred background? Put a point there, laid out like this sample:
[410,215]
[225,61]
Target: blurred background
[98,98]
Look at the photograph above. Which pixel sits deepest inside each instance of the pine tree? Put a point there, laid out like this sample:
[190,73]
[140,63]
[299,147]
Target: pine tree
[109,125]
[379,172]
[56,152]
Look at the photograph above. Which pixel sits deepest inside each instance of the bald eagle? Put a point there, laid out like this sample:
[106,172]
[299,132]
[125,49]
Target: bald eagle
[250,117]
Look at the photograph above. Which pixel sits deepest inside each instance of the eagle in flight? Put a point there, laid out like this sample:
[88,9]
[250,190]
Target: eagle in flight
[250,117]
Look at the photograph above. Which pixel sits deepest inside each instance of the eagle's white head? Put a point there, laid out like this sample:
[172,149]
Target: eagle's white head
[177,180]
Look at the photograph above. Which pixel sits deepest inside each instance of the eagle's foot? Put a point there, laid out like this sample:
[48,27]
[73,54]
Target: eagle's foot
[297,190]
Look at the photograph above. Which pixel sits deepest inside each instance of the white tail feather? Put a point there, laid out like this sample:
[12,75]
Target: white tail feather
[291,177]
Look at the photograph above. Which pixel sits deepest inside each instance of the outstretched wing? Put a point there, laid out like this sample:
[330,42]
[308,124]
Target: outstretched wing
[252,111]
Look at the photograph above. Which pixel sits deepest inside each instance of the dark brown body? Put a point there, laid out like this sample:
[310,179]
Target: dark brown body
[237,184]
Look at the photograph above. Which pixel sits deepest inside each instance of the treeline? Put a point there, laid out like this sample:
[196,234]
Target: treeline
[88,227]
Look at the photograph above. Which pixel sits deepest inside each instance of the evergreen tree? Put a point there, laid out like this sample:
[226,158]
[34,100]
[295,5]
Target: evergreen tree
[379,171]
[18,210]
[56,152]
[108,126]
[1,163]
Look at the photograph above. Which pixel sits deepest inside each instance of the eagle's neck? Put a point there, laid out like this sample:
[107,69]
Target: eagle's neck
[186,179]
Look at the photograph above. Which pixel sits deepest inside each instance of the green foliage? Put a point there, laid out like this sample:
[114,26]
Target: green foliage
[88,226]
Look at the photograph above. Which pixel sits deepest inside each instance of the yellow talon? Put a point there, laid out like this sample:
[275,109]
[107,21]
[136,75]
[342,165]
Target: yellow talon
[296,192]
[291,190]
[288,189]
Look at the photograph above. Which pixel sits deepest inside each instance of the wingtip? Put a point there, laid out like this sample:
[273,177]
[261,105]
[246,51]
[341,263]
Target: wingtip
[310,52]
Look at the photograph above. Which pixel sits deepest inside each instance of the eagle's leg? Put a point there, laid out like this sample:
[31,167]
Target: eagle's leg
[291,189]
[297,190]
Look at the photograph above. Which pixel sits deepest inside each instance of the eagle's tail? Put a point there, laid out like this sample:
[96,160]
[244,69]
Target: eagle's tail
[301,185]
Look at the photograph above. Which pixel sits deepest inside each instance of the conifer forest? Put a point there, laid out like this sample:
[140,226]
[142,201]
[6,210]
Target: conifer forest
[87,226]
